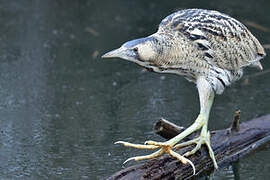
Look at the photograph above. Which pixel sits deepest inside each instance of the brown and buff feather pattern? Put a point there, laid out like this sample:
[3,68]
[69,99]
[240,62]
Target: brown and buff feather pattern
[208,43]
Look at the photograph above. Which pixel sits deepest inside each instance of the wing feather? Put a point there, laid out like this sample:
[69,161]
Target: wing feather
[226,42]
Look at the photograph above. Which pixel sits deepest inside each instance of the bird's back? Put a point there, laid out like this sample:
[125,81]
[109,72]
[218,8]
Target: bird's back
[225,42]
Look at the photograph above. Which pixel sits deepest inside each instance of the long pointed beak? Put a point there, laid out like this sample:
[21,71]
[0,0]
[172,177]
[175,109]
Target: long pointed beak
[114,53]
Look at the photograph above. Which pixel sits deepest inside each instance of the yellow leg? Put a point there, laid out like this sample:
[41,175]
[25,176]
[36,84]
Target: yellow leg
[150,156]
[166,147]
[204,138]
[206,100]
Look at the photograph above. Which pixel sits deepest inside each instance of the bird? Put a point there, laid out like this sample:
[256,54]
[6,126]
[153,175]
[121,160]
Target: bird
[206,47]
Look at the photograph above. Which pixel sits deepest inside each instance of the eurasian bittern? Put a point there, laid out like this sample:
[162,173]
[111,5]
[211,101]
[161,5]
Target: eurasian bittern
[208,48]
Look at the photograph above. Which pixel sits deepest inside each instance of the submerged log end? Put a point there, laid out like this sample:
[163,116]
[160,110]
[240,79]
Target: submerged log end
[167,129]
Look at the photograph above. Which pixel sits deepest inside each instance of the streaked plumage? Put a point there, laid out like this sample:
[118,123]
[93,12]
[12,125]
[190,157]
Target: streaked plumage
[209,43]
[195,42]
[208,48]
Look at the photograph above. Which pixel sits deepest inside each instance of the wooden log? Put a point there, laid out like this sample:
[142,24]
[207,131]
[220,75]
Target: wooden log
[228,144]
[167,129]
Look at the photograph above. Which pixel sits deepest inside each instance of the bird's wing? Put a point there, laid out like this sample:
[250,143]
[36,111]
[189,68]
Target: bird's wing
[226,42]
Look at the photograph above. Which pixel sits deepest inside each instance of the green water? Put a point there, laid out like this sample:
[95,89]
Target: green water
[62,107]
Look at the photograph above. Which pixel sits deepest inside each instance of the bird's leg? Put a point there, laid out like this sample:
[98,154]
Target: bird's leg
[204,138]
[166,147]
[206,99]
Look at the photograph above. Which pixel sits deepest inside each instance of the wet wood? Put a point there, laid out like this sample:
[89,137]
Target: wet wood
[228,144]
[167,129]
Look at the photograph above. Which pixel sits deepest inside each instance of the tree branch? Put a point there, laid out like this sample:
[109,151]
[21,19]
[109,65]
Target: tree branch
[229,145]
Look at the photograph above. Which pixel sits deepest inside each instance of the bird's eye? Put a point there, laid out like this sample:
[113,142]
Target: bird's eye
[135,49]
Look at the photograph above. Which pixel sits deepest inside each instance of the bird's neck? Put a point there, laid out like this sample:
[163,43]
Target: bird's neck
[169,49]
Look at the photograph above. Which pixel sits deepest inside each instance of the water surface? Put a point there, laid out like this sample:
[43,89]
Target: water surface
[62,107]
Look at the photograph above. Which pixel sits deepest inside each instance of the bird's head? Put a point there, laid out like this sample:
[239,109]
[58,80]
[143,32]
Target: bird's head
[141,51]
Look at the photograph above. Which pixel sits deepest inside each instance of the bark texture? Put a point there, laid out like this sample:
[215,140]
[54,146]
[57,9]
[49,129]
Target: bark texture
[228,144]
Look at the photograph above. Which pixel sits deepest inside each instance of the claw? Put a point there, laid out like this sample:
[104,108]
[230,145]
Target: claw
[129,159]
[192,165]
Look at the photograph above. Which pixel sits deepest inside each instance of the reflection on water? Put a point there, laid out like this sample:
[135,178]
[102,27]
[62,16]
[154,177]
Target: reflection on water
[62,107]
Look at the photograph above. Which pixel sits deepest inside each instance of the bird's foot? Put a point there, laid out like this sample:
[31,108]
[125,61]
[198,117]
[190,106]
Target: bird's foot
[204,138]
[164,147]
[168,146]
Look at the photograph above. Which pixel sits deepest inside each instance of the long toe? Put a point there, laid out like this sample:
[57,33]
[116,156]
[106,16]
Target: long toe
[182,159]
[199,142]
[211,152]
[193,151]
[150,156]
[138,146]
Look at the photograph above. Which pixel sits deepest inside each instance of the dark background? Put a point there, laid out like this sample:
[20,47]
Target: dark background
[62,107]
